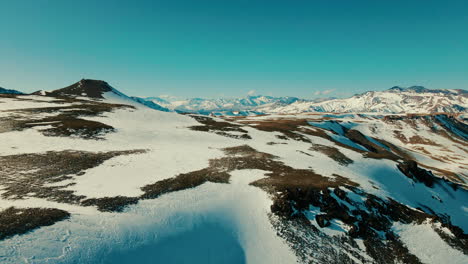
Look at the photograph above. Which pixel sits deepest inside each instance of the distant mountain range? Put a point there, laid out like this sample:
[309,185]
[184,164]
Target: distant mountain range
[224,106]
[414,99]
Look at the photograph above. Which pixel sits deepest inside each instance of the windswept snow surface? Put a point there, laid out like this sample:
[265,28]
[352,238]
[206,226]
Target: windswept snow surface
[221,220]
[30,101]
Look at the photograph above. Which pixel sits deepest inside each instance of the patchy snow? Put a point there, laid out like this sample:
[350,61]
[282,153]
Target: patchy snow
[170,147]
[12,104]
[336,227]
[426,244]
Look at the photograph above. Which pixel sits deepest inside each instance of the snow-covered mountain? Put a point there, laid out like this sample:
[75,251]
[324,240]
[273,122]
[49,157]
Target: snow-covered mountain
[88,175]
[415,99]
[9,91]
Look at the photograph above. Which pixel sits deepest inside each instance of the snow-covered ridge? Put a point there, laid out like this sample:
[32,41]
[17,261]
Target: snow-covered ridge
[415,99]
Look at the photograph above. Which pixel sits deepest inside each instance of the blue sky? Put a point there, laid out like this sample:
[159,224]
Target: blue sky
[214,48]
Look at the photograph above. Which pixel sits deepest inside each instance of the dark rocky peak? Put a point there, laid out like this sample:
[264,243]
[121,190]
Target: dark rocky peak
[84,88]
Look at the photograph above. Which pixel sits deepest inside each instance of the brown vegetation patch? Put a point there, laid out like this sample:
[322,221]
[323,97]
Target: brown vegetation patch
[221,128]
[65,122]
[110,204]
[37,175]
[290,128]
[332,153]
[271,143]
[17,221]
[414,139]
[185,181]
[74,127]
[420,140]
[279,175]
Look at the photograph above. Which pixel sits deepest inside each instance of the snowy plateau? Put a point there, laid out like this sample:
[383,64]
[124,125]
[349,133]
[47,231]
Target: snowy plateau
[91,175]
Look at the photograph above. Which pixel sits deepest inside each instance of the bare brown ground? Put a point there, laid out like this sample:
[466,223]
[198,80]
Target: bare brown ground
[67,120]
[16,221]
[221,128]
[244,157]
[332,153]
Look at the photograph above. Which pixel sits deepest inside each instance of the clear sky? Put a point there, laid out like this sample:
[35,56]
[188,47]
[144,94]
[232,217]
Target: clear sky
[197,48]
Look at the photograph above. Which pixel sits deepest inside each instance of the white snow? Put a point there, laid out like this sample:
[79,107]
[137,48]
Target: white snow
[427,245]
[36,102]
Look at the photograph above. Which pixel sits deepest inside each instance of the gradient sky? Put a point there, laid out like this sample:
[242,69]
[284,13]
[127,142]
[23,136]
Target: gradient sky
[197,48]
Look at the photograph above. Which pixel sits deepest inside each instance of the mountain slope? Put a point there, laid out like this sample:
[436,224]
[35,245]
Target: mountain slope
[9,91]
